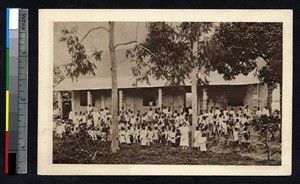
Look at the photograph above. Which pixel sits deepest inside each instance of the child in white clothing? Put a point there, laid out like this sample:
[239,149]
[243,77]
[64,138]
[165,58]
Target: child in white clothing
[122,136]
[197,136]
[144,136]
[203,141]
[127,135]
[235,136]
[150,136]
[60,129]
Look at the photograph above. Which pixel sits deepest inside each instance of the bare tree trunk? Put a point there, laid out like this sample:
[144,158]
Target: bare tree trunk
[114,91]
[280,101]
[194,95]
[269,99]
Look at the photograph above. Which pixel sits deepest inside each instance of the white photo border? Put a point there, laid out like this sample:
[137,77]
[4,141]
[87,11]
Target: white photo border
[47,18]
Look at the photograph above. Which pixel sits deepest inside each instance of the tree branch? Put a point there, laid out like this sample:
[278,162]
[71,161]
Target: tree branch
[168,72]
[124,43]
[127,43]
[142,62]
[93,30]
[149,51]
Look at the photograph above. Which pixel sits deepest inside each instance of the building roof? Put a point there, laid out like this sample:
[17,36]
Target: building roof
[102,78]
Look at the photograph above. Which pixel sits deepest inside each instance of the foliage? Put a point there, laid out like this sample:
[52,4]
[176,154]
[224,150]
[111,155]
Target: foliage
[80,62]
[230,49]
[167,52]
[266,127]
[58,75]
[234,48]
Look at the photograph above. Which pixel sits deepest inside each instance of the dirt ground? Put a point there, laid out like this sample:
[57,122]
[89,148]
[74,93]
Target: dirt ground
[80,149]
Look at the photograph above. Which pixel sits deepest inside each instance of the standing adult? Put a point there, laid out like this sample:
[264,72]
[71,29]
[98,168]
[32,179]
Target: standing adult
[184,139]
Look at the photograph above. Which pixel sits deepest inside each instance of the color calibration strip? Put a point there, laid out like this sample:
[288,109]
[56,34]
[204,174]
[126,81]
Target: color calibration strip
[16,91]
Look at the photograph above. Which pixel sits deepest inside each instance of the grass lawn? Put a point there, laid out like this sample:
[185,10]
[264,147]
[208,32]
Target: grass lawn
[82,150]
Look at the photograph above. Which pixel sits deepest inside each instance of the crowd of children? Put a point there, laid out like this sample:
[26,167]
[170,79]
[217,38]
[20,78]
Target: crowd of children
[162,126]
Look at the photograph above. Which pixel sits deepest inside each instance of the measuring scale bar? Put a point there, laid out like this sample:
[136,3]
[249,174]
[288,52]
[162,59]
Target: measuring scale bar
[16,91]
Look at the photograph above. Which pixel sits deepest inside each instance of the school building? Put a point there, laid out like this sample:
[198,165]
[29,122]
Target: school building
[96,90]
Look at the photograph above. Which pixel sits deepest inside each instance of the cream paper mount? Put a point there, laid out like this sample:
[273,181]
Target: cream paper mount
[52,53]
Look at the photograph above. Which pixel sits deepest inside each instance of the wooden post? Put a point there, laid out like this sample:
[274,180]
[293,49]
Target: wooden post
[160,98]
[114,90]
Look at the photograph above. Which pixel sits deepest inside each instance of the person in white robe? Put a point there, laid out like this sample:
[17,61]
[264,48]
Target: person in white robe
[203,143]
[217,111]
[60,129]
[122,136]
[127,135]
[236,136]
[184,139]
[76,120]
[149,136]
[84,120]
[258,112]
[144,136]
[71,115]
[197,136]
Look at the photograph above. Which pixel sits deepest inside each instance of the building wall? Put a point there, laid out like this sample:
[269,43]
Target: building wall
[96,96]
[218,96]
[173,98]
[133,98]
[263,94]
[276,99]
[76,98]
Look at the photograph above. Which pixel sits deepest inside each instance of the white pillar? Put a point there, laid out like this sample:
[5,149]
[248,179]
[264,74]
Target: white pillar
[205,99]
[159,104]
[102,101]
[89,98]
[59,100]
[120,99]
[73,100]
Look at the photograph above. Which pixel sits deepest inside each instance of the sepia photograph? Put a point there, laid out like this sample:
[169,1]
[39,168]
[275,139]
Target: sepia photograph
[167,93]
